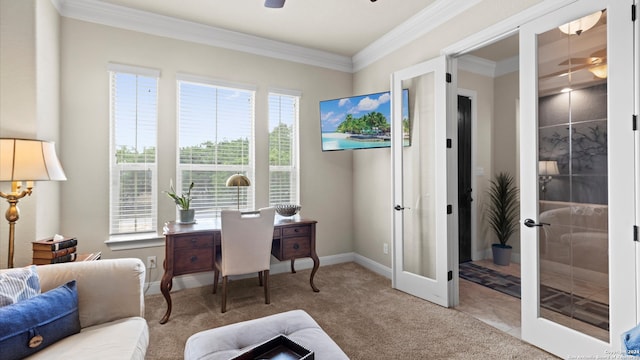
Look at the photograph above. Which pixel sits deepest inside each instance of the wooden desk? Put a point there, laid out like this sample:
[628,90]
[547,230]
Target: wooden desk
[192,249]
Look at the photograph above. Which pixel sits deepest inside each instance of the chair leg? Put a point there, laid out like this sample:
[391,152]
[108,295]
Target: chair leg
[267,298]
[216,275]
[260,278]
[224,294]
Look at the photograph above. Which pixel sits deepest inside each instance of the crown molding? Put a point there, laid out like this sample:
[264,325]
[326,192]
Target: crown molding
[424,21]
[488,68]
[504,28]
[507,66]
[56,4]
[160,25]
[477,65]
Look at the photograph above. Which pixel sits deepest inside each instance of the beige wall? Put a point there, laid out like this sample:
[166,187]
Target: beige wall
[372,220]
[29,108]
[336,186]
[505,133]
[87,48]
[484,88]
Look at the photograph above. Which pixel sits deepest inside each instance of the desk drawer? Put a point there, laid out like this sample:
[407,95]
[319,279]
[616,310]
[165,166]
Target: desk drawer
[295,247]
[302,230]
[193,241]
[193,260]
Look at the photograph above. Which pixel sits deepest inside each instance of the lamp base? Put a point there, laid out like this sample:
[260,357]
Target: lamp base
[13,214]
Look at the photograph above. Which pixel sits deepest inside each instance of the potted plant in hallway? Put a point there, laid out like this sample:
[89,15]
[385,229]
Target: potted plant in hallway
[502,215]
[183,202]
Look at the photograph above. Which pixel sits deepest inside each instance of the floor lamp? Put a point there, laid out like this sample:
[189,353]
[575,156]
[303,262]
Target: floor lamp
[25,160]
[238,180]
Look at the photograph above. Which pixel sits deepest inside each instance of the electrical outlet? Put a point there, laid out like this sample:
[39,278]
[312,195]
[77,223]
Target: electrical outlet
[385,248]
[151,262]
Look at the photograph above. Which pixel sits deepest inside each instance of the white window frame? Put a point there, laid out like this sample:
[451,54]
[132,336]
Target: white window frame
[295,149]
[248,169]
[136,239]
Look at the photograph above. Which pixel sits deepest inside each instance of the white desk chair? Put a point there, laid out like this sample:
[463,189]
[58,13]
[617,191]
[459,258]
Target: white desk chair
[246,248]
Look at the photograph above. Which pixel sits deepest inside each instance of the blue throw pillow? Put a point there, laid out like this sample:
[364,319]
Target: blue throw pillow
[18,284]
[31,325]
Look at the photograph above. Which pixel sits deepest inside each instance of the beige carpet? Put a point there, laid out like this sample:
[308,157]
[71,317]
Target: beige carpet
[356,307]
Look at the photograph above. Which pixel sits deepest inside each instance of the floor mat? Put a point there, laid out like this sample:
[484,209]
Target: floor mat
[575,306]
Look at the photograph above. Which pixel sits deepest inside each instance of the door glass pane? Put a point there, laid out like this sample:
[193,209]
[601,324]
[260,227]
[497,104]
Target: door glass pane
[419,248]
[573,196]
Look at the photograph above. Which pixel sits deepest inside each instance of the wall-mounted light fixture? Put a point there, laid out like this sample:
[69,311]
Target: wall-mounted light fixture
[546,170]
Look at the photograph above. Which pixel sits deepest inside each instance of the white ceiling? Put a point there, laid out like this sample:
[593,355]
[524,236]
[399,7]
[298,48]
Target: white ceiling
[342,27]
[339,34]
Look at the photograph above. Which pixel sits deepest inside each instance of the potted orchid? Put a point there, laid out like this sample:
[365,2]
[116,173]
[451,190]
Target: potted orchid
[183,202]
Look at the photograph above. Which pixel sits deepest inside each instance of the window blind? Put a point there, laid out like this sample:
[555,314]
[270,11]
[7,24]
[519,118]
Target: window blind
[133,170]
[283,149]
[215,141]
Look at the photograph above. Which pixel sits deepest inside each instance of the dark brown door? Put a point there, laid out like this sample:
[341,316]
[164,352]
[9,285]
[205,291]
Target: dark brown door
[464,178]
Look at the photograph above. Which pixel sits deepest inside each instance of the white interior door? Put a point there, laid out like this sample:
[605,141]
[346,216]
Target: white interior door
[420,220]
[577,179]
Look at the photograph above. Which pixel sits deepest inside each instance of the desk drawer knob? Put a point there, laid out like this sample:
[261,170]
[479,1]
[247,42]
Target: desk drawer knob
[194,240]
[194,259]
[296,230]
[296,246]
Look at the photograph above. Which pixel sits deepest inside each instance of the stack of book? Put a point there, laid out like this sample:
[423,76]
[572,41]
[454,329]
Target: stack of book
[53,251]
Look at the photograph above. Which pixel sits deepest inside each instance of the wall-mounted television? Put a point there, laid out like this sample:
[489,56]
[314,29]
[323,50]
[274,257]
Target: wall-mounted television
[361,122]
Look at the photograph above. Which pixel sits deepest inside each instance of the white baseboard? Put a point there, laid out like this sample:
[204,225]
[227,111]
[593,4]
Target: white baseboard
[206,278]
[373,266]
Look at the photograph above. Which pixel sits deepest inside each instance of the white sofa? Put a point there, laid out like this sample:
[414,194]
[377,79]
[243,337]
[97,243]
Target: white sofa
[110,306]
[577,236]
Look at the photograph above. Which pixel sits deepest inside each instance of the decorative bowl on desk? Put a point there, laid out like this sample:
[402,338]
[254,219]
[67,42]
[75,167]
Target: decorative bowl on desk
[287,209]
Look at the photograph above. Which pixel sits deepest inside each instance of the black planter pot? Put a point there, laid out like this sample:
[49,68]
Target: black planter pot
[501,254]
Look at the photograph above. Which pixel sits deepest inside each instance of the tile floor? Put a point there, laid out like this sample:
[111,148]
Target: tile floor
[503,311]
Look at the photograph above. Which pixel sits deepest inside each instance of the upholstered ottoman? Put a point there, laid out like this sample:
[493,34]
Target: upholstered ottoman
[229,341]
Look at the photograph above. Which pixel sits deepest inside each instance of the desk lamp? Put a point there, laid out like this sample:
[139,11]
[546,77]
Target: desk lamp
[238,180]
[25,160]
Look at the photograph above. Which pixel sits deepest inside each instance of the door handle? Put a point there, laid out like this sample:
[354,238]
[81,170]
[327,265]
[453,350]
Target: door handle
[531,223]
[398,207]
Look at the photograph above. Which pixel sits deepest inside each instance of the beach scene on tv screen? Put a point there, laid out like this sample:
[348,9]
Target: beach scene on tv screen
[360,122]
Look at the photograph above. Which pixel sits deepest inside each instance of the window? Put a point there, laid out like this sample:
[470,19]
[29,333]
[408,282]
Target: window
[215,141]
[133,164]
[283,149]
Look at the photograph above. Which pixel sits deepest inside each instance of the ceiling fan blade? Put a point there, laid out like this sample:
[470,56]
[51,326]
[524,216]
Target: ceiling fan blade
[602,53]
[274,3]
[576,61]
[565,72]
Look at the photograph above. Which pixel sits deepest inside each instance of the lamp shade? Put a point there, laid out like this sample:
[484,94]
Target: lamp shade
[29,160]
[238,180]
[548,168]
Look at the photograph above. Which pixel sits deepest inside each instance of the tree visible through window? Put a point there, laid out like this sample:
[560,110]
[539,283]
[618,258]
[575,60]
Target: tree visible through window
[283,149]
[134,117]
[215,142]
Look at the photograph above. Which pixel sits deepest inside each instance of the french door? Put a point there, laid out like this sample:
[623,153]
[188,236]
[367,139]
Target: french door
[421,225]
[578,262]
